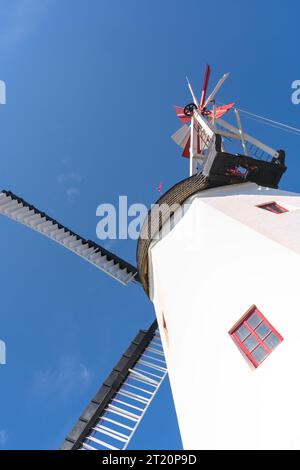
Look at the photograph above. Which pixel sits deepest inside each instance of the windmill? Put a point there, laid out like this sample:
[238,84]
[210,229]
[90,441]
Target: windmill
[199,295]
[194,134]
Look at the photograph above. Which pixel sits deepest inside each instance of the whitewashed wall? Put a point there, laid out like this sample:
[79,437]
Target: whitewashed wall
[223,256]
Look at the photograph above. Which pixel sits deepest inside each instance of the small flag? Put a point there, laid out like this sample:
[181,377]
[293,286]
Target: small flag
[160,187]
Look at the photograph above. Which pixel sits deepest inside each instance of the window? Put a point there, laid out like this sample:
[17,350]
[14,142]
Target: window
[273,207]
[255,336]
[164,323]
[165,329]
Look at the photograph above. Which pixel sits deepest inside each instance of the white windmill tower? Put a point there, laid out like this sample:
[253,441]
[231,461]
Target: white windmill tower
[218,255]
[221,265]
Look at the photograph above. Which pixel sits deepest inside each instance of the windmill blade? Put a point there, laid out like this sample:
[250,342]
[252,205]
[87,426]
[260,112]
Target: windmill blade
[114,414]
[205,85]
[179,110]
[181,136]
[186,150]
[192,92]
[221,110]
[216,89]
[19,210]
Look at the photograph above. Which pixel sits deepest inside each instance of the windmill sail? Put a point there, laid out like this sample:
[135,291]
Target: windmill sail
[113,415]
[19,210]
[205,85]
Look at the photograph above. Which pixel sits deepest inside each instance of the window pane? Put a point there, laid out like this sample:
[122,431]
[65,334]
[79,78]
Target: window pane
[253,320]
[274,207]
[263,330]
[272,341]
[259,354]
[250,342]
[242,332]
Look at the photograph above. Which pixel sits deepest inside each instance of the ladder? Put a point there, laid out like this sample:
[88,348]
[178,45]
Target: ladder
[117,418]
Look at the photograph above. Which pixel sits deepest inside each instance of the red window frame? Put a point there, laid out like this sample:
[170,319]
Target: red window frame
[252,331]
[164,323]
[165,328]
[269,207]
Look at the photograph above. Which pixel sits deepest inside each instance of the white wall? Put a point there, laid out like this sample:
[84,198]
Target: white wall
[222,257]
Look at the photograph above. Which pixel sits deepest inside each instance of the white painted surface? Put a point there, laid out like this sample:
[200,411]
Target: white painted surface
[223,256]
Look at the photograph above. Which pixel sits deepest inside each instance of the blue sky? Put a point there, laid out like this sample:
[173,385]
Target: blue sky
[90,90]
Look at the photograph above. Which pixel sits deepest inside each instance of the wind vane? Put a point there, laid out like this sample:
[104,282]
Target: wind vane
[203,124]
[188,113]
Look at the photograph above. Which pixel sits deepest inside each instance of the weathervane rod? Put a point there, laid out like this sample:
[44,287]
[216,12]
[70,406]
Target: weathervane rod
[193,161]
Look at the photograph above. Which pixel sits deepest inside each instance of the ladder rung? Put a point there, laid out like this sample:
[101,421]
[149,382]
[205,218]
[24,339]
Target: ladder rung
[158,346]
[155,351]
[88,447]
[114,436]
[127,404]
[149,373]
[116,422]
[120,414]
[138,388]
[110,430]
[153,358]
[121,410]
[133,396]
[157,340]
[139,379]
[143,377]
[102,443]
[154,366]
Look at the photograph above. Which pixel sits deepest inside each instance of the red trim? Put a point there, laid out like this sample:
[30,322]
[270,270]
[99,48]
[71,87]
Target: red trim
[165,329]
[268,207]
[164,323]
[180,113]
[221,110]
[205,85]
[260,340]
[186,150]
[261,315]
[198,144]
[252,331]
